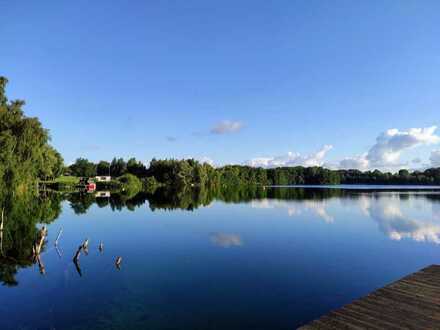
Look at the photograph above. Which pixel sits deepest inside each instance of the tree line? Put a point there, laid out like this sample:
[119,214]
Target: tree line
[173,172]
[26,157]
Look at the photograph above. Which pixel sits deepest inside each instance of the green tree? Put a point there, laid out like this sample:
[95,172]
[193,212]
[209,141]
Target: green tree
[83,167]
[136,167]
[118,167]
[25,153]
[103,168]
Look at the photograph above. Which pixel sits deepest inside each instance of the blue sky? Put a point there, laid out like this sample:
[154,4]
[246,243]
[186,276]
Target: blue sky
[234,81]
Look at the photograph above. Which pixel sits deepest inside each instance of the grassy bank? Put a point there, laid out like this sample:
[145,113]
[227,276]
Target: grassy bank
[128,184]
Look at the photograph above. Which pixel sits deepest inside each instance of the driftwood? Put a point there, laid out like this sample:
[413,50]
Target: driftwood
[85,246]
[78,268]
[1,231]
[58,251]
[77,254]
[3,218]
[58,237]
[1,242]
[118,262]
[76,259]
[41,265]
[42,234]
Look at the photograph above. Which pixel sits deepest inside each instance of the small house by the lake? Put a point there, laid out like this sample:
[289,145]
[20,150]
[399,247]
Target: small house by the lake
[103,178]
[99,194]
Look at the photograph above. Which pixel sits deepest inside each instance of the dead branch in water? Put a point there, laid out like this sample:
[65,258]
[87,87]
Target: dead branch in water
[58,251]
[41,265]
[85,246]
[3,218]
[118,262]
[78,268]
[77,254]
[58,237]
[1,231]
[42,234]
[76,259]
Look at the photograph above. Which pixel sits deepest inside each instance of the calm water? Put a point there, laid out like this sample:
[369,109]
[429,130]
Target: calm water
[266,259]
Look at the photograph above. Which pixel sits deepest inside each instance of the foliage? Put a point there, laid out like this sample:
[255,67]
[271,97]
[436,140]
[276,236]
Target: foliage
[103,168]
[25,153]
[130,184]
[22,214]
[189,172]
[83,168]
[150,184]
[179,173]
[118,167]
[136,167]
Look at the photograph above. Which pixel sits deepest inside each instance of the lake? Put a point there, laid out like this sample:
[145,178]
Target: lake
[266,258]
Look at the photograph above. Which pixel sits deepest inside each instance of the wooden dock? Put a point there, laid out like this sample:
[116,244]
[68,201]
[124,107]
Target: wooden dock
[410,303]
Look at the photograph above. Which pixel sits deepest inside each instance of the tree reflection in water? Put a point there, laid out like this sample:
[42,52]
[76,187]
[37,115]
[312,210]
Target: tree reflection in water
[24,215]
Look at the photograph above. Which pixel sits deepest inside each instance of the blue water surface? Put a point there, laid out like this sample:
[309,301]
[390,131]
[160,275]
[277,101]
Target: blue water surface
[275,261]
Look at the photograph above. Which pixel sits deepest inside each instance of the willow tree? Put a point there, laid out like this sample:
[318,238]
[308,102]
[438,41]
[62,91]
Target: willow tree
[25,152]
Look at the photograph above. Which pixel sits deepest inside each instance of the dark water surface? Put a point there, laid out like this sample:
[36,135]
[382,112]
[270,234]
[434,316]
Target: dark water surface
[267,259]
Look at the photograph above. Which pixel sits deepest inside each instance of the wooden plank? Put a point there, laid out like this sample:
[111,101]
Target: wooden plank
[410,303]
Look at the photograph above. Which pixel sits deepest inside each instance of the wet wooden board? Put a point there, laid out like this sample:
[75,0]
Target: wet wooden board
[410,303]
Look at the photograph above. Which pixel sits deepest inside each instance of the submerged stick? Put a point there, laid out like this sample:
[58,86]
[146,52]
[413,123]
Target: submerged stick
[77,254]
[41,265]
[58,237]
[118,262]
[1,231]
[78,268]
[1,242]
[3,217]
[39,244]
[58,251]
[76,259]
[85,245]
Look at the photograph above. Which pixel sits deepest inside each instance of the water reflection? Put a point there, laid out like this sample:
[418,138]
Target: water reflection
[399,216]
[397,224]
[22,217]
[226,240]
[296,208]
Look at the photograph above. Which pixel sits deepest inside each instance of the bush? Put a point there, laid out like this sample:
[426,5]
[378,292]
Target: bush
[150,184]
[130,184]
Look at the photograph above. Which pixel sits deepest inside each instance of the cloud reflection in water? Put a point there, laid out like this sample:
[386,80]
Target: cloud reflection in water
[225,240]
[391,211]
[294,208]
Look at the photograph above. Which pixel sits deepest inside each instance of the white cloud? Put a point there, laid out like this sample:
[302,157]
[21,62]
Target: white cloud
[435,158]
[292,159]
[385,153]
[226,240]
[227,126]
[390,144]
[360,163]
